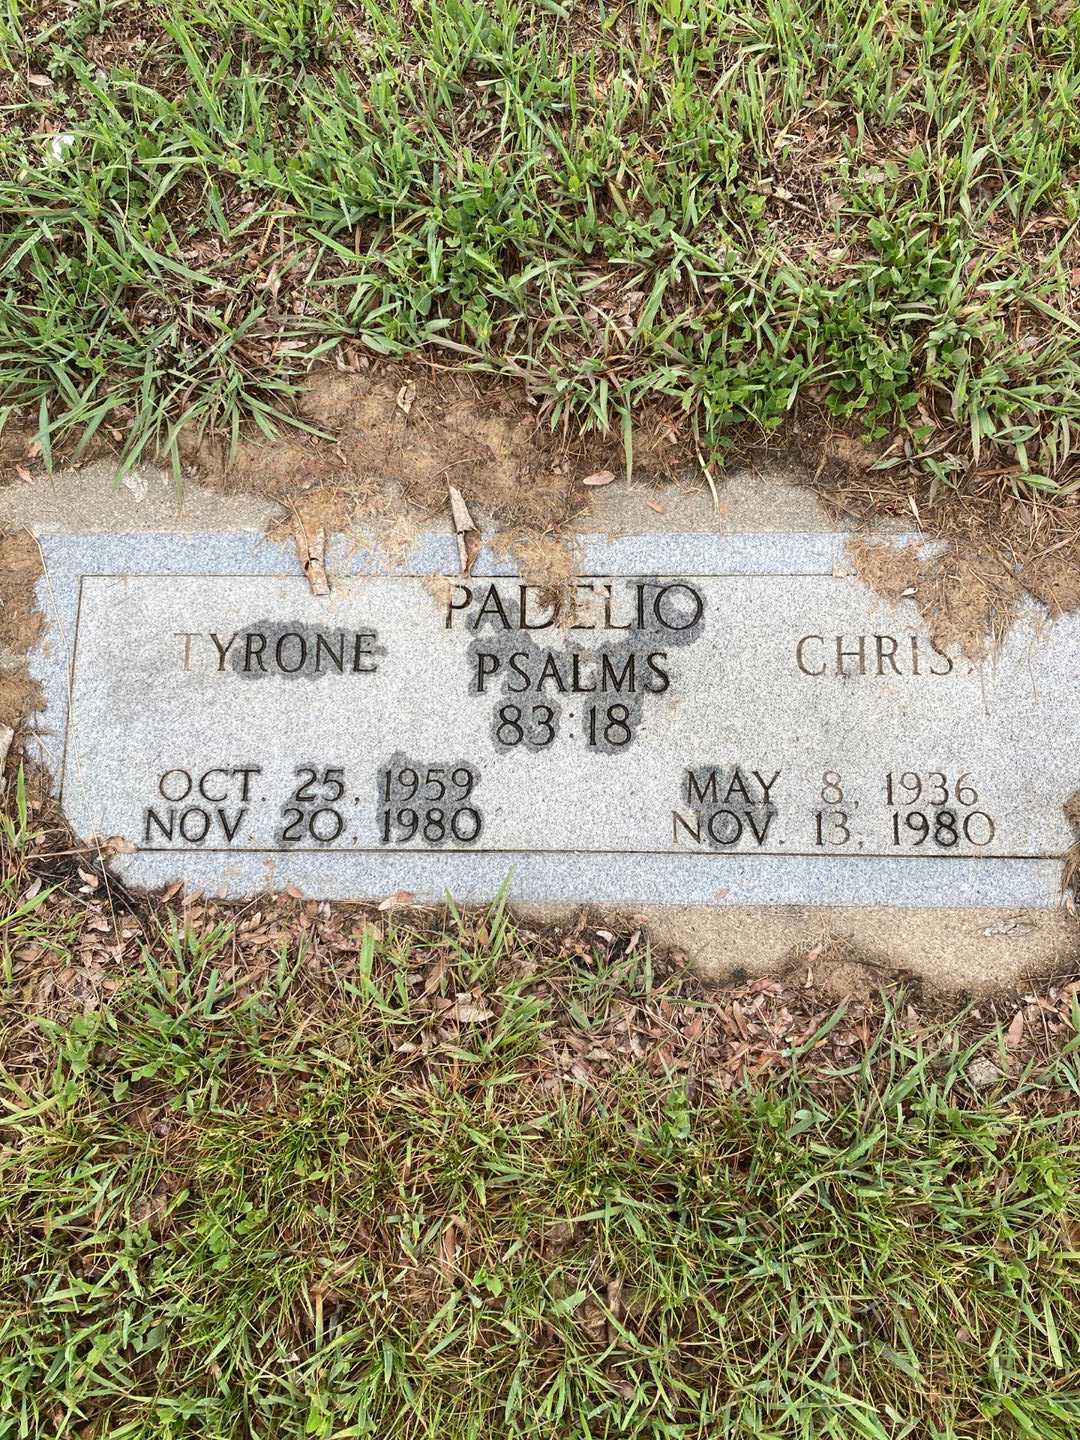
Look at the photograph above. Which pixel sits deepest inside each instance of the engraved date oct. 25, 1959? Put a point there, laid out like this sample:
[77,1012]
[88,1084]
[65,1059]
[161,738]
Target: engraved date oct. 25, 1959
[227,806]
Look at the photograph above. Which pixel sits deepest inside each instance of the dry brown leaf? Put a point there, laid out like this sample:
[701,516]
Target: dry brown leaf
[43,82]
[1015,1033]
[434,977]
[470,1014]
[399,897]
[405,397]
[654,506]
[599,477]
[448,1248]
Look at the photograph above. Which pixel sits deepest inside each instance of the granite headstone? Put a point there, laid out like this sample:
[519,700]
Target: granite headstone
[707,719]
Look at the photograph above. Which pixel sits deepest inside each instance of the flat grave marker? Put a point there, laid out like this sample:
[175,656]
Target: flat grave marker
[722,720]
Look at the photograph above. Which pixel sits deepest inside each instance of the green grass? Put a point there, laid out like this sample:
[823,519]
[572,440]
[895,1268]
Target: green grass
[713,209]
[285,1189]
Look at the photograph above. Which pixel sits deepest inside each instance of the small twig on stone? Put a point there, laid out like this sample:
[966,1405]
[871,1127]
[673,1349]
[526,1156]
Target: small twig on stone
[311,549]
[709,477]
[464,527]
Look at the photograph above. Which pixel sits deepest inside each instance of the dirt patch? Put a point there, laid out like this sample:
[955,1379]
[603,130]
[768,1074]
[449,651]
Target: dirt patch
[966,601]
[20,567]
[1001,541]
[838,968]
[1070,868]
[891,571]
[19,697]
[846,452]
[20,625]
[1053,576]
[401,438]
[19,453]
[391,438]
[416,432]
[329,508]
[397,447]
[547,561]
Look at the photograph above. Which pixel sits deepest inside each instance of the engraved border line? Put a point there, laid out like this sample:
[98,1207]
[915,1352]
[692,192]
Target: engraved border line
[508,850]
[526,850]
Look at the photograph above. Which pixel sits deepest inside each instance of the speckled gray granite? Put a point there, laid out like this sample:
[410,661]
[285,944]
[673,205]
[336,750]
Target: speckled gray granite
[731,720]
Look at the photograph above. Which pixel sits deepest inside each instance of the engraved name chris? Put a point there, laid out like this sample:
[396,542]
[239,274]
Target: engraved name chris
[846,655]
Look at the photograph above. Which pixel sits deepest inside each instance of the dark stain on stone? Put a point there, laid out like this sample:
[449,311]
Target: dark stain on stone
[726,807]
[296,651]
[429,802]
[602,688]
